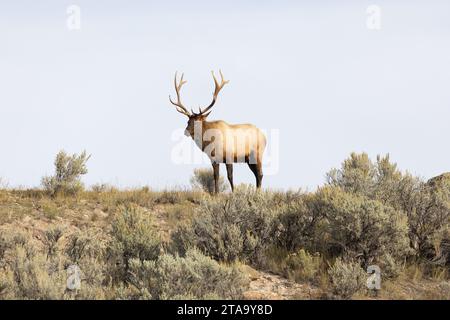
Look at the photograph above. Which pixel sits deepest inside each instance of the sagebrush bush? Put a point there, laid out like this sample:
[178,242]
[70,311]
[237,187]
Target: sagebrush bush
[134,236]
[33,275]
[357,175]
[68,172]
[204,179]
[230,227]
[194,276]
[33,270]
[335,223]
[378,180]
[177,196]
[302,265]
[428,213]
[85,243]
[390,267]
[103,188]
[347,278]
[88,249]
[299,224]
[425,204]
[362,228]
[51,239]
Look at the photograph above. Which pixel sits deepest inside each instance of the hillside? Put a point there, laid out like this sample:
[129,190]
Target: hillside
[34,216]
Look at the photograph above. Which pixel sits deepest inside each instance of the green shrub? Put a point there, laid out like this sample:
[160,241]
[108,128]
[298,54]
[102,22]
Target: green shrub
[103,188]
[32,275]
[133,237]
[230,227]
[299,266]
[194,276]
[363,228]
[390,267]
[299,224]
[87,249]
[173,196]
[334,223]
[204,179]
[50,209]
[89,242]
[33,270]
[357,175]
[378,180]
[4,245]
[302,265]
[51,239]
[427,206]
[68,172]
[347,278]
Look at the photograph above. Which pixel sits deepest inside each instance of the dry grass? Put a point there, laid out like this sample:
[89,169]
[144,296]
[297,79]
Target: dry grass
[35,213]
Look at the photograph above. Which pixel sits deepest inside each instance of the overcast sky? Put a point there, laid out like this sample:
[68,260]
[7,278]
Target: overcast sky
[314,76]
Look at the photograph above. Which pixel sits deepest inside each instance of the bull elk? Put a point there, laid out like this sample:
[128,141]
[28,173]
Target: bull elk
[223,142]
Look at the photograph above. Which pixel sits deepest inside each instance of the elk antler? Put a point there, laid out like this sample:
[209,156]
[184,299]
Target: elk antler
[216,91]
[179,105]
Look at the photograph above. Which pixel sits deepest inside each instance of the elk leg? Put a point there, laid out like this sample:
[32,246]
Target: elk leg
[230,175]
[252,167]
[259,174]
[216,177]
[257,171]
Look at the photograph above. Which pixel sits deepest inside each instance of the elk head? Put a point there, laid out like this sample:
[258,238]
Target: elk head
[203,113]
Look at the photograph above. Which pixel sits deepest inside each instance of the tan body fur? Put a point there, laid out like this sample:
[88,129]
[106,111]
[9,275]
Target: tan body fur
[223,142]
[235,143]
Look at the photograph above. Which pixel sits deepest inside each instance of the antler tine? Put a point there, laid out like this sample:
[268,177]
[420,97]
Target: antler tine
[179,105]
[217,89]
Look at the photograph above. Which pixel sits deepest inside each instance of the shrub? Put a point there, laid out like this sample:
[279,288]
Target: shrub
[390,267]
[49,209]
[87,249]
[427,206]
[363,228]
[194,276]
[68,171]
[388,182]
[302,265]
[234,226]
[347,278]
[133,237]
[204,179]
[32,275]
[169,197]
[299,224]
[334,222]
[34,270]
[298,266]
[51,239]
[4,245]
[380,180]
[102,188]
[357,175]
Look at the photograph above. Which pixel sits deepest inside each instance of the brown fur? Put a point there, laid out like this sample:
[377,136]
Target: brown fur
[223,142]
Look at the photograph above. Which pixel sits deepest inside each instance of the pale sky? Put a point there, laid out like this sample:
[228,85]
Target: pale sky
[313,72]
